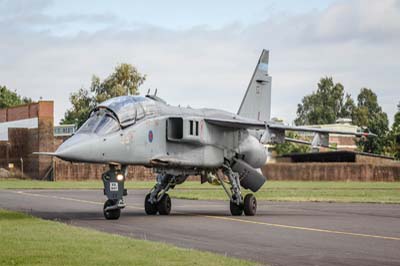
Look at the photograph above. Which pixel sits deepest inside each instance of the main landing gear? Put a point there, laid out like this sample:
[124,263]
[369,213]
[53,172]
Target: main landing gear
[158,200]
[237,204]
[113,181]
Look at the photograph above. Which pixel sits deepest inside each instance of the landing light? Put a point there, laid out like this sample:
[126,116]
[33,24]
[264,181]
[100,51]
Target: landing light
[120,177]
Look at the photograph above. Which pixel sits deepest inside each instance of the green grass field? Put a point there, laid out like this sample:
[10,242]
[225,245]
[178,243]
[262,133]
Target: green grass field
[31,241]
[377,192]
[349,193]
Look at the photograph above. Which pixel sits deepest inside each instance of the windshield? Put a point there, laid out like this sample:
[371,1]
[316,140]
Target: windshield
[107,125]
[100,122]
[128,109]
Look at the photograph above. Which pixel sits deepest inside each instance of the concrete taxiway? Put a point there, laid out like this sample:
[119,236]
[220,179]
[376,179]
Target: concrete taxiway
[282,233]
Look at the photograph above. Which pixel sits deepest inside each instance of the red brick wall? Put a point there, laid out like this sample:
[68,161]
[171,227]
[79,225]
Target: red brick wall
[42,109]
[22,142]
[343,140]
[3,115]
[360,158]
[332,172]
[84,171]
[46,109]
[33,110]
[18,113]
[46,135]
[59,140]
[25,141]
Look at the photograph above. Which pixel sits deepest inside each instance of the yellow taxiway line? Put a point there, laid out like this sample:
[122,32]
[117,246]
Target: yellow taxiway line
[302,228]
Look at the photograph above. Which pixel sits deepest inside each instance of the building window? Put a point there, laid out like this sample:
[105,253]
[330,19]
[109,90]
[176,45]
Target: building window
[191,127]
[64,130]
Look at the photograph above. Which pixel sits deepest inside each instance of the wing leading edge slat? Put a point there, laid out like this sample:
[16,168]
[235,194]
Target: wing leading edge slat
[233,123]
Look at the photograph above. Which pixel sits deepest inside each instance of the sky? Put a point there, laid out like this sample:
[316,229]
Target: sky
[202,53]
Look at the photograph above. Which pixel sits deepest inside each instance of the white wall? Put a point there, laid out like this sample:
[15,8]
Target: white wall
[24,123]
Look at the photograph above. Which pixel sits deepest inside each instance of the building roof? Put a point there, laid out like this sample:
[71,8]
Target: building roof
[331,156]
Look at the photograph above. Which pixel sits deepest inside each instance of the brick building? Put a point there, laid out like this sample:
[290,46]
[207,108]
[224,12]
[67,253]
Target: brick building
[25,129]
[30,128]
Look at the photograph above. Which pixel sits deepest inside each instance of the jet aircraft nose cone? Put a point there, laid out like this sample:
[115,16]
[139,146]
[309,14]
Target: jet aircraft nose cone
[79,147]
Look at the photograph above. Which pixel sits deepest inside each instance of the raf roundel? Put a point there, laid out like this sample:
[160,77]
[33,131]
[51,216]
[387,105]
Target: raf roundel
[150,136]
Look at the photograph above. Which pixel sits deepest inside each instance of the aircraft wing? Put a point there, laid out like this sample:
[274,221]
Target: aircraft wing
[299,141]
[236,123]
[253,124]
[316,130]
[275,133]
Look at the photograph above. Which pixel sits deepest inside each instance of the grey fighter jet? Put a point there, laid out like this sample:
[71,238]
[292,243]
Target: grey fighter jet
[177,142]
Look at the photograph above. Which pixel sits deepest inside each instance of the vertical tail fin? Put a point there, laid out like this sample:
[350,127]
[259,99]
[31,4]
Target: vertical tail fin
[256,103]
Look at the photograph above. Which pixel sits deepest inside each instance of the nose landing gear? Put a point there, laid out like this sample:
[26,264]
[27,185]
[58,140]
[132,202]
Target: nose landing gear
[110,210]
[113,181]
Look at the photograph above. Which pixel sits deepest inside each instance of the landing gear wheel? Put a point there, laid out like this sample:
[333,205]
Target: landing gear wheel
[236,210]
[164,205]
[111,214]
[150,209]
[250,205]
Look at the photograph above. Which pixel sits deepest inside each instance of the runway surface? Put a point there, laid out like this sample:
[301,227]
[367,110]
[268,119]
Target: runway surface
[282,233]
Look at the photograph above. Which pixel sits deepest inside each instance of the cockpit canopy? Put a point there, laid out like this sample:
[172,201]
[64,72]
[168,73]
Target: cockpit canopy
[126,108]
[115,113]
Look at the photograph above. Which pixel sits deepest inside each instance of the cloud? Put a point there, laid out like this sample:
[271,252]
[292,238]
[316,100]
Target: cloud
[18,7]
[359,20]
[356,42]
[27,17]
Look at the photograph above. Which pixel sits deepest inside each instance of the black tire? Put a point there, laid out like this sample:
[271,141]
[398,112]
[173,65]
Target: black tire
[250,205]
[236,210]
[150,209]
[164,205]
[112,214]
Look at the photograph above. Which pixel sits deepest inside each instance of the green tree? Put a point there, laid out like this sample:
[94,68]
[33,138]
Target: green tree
[325,105]
[125,79]
[368,113]
[396,133]
[10,98]
[393,144]
[82,103]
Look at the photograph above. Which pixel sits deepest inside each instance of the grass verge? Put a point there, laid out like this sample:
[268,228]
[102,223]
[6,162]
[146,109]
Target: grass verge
[376,192]
[325,191]
[32,241]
